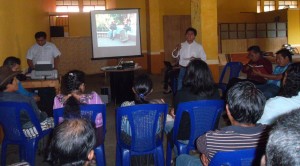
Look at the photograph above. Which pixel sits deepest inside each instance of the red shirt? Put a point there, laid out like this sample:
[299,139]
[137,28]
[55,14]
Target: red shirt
[266,64]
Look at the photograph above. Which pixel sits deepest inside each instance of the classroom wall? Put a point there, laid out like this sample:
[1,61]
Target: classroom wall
[272,16]
[233,11]
[294,27]
[19,22]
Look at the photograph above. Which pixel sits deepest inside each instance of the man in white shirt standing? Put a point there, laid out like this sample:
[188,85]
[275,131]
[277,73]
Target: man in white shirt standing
[187,51]
[42,51]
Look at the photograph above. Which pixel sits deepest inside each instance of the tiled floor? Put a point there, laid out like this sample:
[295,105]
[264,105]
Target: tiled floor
[95,82]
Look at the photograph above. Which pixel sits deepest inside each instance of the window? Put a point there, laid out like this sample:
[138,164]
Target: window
[287,4]
[79,5]
[258,6]
[89,5]
[269,6]
[67,6]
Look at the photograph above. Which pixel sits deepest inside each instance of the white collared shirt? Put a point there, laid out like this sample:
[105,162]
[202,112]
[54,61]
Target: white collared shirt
[46,53]
[188,51]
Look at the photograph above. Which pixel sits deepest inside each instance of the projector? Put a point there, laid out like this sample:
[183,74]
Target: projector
[40,75]
[127,64]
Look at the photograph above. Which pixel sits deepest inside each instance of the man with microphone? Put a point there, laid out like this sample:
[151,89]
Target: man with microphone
[187,51]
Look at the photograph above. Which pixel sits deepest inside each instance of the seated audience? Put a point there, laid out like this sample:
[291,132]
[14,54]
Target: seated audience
[257,62]
[198,84]
[73,142]
[75,86]
[74,96]
[288,99]
[244,107]
[272,87]
[142,88]
[283,144]
[169,76]
[14,64]
[8,89]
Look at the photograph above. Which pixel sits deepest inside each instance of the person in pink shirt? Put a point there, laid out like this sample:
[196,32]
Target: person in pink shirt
[74,96]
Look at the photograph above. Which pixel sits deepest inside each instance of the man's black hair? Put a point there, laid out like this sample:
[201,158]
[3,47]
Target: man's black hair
[72,141]
[11,61]
[246,103]
[285,53]
[40,34]
[255,49]
[192,30]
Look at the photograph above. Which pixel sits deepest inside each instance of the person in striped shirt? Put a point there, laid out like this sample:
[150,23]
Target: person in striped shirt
[245,104]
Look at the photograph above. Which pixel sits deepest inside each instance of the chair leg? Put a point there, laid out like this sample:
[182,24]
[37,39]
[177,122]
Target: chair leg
[31,151]
[3,153]
[22,152]
[125,157]
[159,158]
[169,154]
[100,156]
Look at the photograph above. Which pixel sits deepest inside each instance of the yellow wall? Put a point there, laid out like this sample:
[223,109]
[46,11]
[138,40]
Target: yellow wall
[294,26]
[229,11]
[19,22]
[79,24]
[182,7]
[270,16]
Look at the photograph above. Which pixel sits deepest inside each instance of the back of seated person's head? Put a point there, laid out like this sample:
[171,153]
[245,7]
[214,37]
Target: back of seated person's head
[142,87]
[73,142]
[74,81]
[245,103]
[291,81]
[198,78]
[283,147]
[12,62]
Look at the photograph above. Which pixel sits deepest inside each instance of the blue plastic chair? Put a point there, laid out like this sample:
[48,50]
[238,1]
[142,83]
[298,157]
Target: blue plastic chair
[245,157]
[146,123]
[204,116]
[89,112]
[13,133]
[235,68]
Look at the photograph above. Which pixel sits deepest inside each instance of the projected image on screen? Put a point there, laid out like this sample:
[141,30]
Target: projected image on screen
[116,29]
[116,33]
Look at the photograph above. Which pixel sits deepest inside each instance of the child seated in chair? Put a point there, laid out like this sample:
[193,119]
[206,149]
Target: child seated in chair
[142,87]
[8,89]
[75,87]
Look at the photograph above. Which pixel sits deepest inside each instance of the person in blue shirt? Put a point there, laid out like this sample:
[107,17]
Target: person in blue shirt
[272,87]
[14,64]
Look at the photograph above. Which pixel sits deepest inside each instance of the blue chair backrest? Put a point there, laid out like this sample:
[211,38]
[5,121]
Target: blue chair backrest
[204,116]
[87,111]
[10,119]
[235,68]
[146,124]
[244,157]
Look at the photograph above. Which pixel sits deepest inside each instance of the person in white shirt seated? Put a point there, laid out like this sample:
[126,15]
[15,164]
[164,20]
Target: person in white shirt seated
[187,51]
[288,99]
